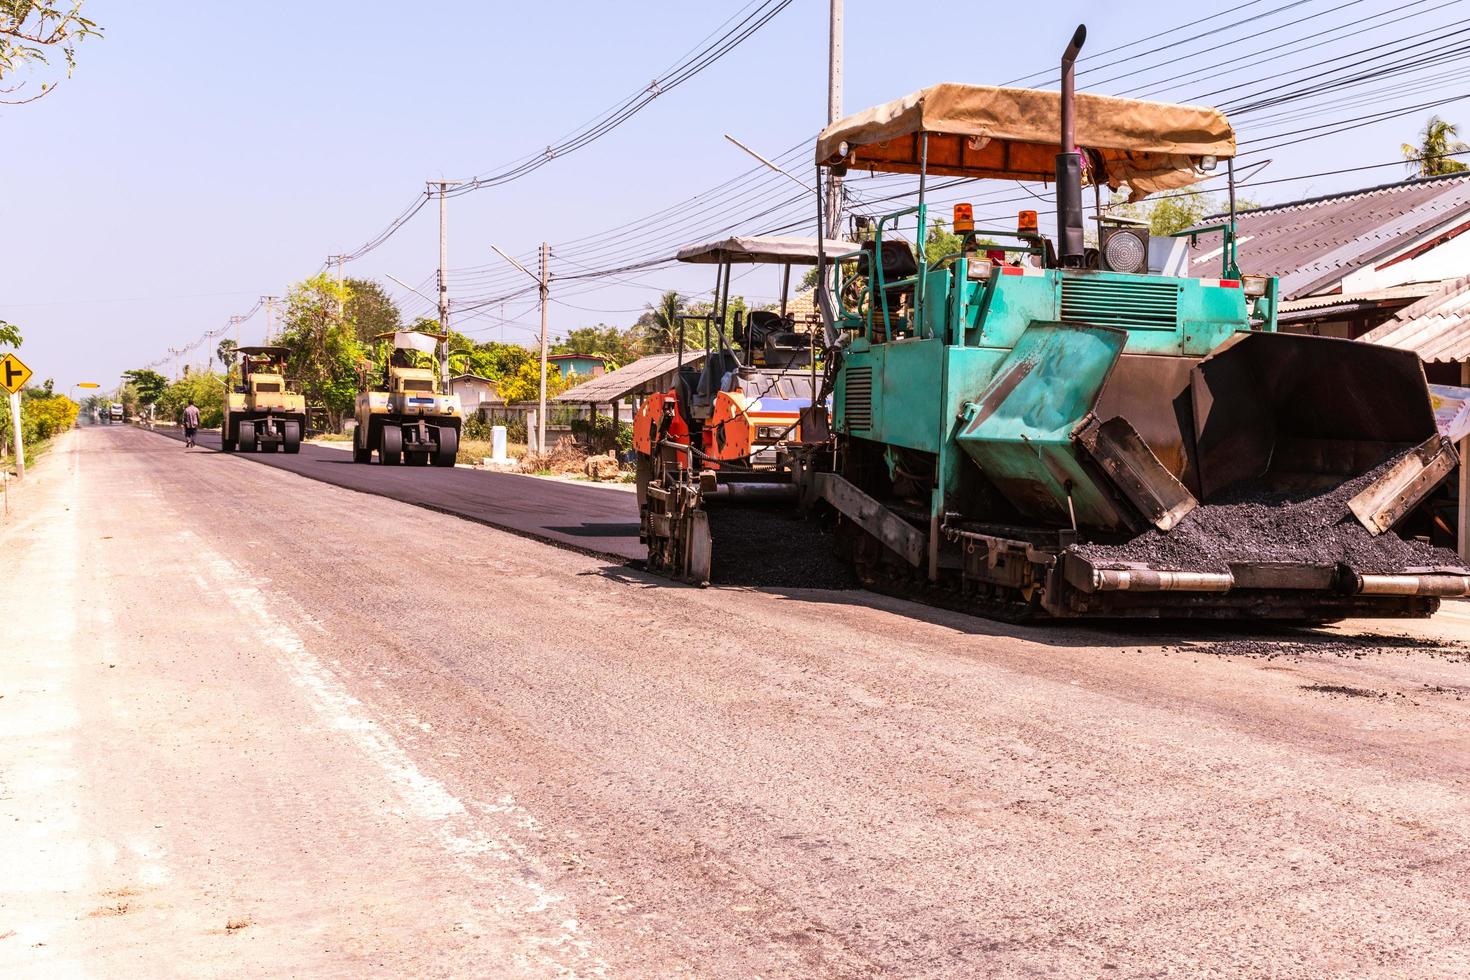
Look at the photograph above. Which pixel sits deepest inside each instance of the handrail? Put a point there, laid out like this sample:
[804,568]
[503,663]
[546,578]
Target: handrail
[1229,270]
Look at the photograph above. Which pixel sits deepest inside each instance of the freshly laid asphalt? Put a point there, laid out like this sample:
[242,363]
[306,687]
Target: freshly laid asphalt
[597,520]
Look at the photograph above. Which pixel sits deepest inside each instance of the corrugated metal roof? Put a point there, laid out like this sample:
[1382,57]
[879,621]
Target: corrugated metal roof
[1437,327]
[1408,291]
[630,380]
[1312,244]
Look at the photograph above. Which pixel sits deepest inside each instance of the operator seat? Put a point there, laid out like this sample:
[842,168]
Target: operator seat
[899,262]
[716,366]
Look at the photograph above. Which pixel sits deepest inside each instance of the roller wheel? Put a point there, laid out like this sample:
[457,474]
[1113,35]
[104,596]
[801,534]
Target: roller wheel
[448,450]
[390,448]
[359,453]
[226,444]
[291,437]
[246,442]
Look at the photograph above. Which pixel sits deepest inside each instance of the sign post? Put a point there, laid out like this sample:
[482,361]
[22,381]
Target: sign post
[13,376]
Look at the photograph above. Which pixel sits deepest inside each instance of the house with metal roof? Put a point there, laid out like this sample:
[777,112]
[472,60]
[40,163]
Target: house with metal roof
[630,384]
[1347,262]
[586,365]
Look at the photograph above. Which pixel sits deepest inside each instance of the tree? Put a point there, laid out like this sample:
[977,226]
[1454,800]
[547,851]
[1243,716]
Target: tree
[941,242]
[1176,213]
[371,311]
[525,384]
[9,335]
[617,347]
[226,352]
[324,353]
[1434,156]
[205,389]
[148,386]
[29,31]
[496,361]
[660,323]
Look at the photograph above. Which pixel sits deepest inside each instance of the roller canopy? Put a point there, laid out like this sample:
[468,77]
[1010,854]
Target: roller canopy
[766,248]
[1012,133]
[425,343]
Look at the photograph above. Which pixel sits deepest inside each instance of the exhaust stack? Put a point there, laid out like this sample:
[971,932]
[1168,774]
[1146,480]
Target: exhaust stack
[1069,164]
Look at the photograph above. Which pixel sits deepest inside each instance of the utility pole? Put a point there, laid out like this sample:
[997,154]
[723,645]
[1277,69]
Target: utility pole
[543,284]
[270,310]
[341,300]
[443,185]
[545,292]
[834,113]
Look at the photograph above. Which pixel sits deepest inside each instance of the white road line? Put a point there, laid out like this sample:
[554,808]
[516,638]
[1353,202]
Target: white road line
[551,943]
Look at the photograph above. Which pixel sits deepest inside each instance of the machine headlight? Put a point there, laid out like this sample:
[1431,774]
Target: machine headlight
[1254,286]
[1126,250]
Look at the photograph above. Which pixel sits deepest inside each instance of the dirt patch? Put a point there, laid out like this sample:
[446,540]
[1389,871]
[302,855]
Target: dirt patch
[565,457]
[108,911]
[1303,643]
[1252,526]
[236,924]
[1344,690]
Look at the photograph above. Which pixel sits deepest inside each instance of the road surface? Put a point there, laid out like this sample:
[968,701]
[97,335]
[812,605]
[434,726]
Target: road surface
[585,517]
[255,725]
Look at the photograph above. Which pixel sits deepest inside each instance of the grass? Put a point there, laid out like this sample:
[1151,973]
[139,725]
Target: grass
[332,437]
[34,452]
[474,450]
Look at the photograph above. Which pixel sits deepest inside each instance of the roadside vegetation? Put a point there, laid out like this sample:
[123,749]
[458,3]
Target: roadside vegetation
[330,331]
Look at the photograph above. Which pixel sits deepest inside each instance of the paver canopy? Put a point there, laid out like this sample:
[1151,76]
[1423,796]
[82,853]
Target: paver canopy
[1013,133]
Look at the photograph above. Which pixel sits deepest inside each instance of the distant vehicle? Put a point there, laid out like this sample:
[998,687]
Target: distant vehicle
[407,418]
[262,413]
[115,412]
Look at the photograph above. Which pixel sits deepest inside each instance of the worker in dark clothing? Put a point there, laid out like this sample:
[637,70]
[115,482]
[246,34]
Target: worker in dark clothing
[191,423]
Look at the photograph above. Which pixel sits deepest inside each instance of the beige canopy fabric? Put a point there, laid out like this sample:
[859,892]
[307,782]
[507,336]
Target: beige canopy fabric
[762,248]
[1013,133]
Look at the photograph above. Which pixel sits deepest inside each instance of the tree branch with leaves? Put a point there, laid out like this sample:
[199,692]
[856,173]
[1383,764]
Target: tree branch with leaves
[1435,154]
[30,32]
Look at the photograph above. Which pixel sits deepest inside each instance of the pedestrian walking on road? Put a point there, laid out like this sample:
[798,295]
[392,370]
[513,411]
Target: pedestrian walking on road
[191,423]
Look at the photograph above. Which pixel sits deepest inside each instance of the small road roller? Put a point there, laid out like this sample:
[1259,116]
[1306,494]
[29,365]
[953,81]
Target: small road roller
[262,413]
[407,417]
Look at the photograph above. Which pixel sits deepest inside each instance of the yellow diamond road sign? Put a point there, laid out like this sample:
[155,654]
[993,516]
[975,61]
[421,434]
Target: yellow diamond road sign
[13,373]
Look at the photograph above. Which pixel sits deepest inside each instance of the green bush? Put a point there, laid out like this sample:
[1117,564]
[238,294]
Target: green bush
[41,417]
[478,428]
[205,389]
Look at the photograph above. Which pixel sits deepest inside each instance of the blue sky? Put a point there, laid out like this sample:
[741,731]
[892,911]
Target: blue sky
[203,158]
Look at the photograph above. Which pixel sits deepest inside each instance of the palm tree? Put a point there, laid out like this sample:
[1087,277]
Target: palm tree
[1433,156]
[226,353]
[663,321]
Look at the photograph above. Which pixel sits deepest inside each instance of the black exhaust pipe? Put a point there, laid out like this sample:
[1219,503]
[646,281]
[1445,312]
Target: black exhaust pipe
[1069,163]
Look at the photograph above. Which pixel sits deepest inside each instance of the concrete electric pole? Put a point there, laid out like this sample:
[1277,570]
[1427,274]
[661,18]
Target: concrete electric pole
[443,186]
[834,113]
[545,291]
[543,284]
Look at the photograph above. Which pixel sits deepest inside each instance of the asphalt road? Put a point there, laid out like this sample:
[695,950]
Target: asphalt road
[593,519]
[258,726]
